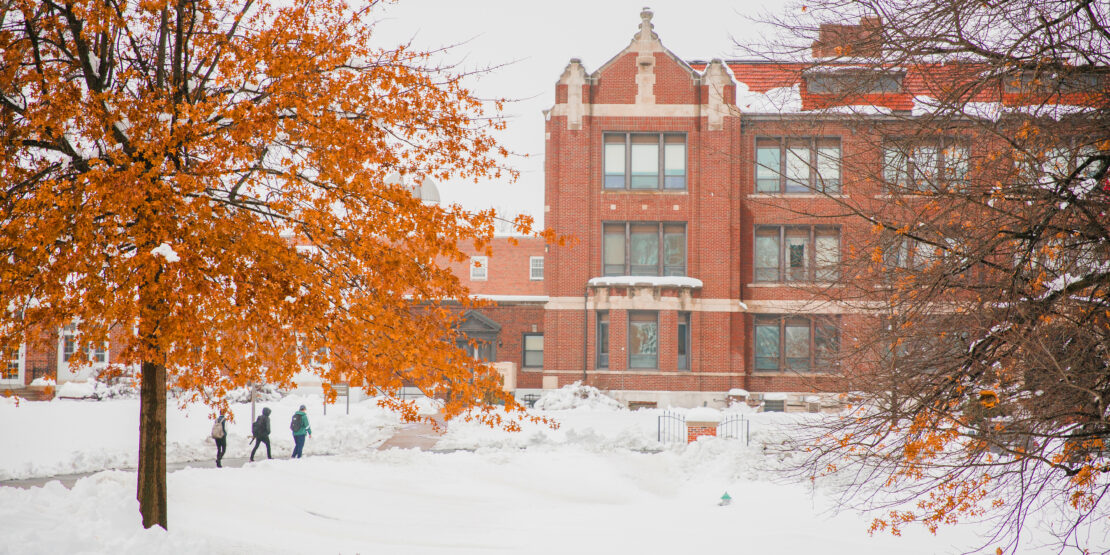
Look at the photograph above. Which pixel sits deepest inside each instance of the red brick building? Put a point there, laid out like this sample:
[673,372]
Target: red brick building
[651,164]
[703,196]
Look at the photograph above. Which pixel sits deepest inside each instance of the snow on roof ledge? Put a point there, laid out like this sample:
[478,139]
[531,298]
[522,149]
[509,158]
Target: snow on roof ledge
[514,298]
[649,281]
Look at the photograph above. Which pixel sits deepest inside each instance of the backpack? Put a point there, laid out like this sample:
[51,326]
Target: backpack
[258,428]
[298,422]
[218,429]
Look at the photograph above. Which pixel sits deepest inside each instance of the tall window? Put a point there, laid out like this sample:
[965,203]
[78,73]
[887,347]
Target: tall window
[796,343]
[9,370]
[793,165]
[535,268]
[1051,165]
[925,165]
[645,161]
[533,350]
[683,341]
[644,249]
[643,339]
[796,253]
[602,339]
[479,268]
[904,252]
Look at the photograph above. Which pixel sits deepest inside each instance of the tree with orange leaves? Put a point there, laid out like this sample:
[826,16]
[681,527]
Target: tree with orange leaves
[982,261]
[209,177]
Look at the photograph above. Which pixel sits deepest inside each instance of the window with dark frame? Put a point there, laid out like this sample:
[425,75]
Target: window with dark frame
[925,165]
[533,350]
[858,82]
[602,339]
[1053,80]
[644,161]
[797,165]
[789,343]
[643,249]
[643,339]
[796,253]
[683,362]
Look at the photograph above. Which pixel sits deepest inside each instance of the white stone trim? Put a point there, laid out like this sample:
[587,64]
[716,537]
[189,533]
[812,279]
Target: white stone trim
[632,110]
[685,373]
[643,299]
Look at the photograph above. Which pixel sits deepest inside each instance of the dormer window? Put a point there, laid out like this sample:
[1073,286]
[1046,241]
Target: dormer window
[1053,81]
[854,81]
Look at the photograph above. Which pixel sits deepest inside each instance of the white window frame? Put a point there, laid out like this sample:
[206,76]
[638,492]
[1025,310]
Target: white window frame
[479,268]
[21,361]
[63,361]
[532,268]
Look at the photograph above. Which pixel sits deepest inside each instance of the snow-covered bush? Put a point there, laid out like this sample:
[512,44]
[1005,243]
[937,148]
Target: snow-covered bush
[576,396]
[97,390]
[266,393]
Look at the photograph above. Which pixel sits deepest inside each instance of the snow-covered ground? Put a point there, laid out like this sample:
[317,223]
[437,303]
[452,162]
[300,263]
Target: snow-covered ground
[600,483]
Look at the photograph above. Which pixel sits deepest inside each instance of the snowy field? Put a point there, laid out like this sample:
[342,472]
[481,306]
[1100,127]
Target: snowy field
[601,483]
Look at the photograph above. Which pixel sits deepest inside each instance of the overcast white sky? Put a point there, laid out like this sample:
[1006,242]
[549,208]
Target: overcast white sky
[536,40]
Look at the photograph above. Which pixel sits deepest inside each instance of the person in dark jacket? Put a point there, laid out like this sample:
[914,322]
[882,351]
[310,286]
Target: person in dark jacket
[261,430]
[300,431]
[221,441]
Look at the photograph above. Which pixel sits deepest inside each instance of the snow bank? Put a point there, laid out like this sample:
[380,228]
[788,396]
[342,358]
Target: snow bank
[703,414]
[588,476]
[577,396]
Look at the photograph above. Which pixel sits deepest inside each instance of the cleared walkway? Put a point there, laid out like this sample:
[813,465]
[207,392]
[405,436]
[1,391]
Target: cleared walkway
[68,480]
[417,435]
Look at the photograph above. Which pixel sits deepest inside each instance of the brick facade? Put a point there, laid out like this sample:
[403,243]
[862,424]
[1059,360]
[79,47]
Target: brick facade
[648,89]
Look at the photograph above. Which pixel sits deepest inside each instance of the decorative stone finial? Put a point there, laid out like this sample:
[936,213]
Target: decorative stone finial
[645,24]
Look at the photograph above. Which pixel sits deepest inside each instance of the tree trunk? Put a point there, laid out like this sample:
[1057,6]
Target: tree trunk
[152,445]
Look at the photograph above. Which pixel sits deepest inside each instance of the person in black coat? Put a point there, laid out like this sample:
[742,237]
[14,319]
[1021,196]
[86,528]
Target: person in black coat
[261,431]
[221,441]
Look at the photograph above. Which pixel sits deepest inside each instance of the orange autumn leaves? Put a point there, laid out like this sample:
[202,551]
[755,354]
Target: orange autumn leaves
[253,141]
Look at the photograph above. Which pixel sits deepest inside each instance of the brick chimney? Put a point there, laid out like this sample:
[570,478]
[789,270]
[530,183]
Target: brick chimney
[852,41]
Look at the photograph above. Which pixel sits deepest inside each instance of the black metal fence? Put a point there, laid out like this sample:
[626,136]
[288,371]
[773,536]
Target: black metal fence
[735,426]
[672,427]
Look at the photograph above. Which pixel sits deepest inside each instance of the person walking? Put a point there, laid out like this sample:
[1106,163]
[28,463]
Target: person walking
[261,432]
[219,433]
[300,428]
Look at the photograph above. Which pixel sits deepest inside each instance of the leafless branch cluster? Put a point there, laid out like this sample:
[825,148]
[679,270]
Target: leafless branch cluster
[981,260]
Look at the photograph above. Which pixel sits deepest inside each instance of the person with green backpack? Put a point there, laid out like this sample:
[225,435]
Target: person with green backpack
[300,428]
